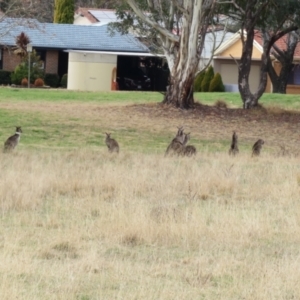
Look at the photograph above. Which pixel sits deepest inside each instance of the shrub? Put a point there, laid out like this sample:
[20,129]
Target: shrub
[51,80]
[39,82]
[24,82]
[5,77]
[64,81]
[216,85]
[209,75]
[198,80]
[21,71]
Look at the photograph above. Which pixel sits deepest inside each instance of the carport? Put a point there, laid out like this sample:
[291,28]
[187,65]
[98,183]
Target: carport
[106,71]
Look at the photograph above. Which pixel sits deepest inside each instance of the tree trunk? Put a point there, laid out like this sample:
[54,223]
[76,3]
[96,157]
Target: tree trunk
[285,57]
[180,93]
[250,100]
[279,87]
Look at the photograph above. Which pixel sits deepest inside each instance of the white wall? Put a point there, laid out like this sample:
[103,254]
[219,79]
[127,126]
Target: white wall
[90,71]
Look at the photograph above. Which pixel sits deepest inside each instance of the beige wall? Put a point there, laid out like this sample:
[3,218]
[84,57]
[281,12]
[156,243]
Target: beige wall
[229,72]
[90,72]
[235,50]
[78,20]
[227,67]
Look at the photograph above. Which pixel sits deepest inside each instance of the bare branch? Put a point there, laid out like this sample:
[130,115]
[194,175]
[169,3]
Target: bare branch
[151,23]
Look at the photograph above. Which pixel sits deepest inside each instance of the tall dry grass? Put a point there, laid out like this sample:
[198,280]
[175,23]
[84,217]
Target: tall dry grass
[84,224]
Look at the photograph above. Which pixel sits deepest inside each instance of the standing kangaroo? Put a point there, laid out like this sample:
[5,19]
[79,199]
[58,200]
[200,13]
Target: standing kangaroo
[257,147]
[177,144]
[12,142]
[234,149]
[112,144]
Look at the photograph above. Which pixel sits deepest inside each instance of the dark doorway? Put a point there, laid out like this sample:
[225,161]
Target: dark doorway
[63,58]
[142,73]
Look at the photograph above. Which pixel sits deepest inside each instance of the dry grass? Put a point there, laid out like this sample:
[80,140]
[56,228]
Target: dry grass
[78,223]
[83,224]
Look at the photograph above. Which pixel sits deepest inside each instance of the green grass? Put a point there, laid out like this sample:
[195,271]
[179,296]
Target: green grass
[60,95]
[234,99]
[69,119]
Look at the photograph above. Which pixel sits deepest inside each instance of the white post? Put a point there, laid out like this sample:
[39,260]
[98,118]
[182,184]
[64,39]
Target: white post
[29,50]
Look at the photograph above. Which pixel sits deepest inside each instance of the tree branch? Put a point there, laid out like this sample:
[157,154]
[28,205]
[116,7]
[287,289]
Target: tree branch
[153,24]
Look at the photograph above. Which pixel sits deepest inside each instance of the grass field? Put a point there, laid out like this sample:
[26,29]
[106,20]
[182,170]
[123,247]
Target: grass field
[79,223]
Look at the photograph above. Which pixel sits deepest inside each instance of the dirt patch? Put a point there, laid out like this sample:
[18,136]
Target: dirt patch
[276,126]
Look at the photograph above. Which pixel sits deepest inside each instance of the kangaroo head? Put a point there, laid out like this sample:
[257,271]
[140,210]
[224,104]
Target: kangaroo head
[107,135]
[18,129]
[180,131]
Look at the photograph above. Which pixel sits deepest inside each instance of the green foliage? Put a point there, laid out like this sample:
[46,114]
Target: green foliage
[198,81]
[64,11]
[5,77]
[51,80]
[216,84]
[209,75]
[64,81]
[21,71]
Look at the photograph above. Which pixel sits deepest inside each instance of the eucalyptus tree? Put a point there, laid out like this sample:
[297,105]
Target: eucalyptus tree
[175,28]
[273,17]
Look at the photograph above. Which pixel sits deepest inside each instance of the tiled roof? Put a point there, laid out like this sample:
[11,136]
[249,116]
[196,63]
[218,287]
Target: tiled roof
[281,44]
[68,36]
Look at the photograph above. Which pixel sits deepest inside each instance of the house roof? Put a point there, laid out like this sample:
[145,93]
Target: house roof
[258,41]
[68,36]
[84,12]
[281,44]
[97,16]
[214,40]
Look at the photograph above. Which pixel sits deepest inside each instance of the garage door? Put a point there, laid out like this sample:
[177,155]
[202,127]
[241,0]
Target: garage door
[229,73]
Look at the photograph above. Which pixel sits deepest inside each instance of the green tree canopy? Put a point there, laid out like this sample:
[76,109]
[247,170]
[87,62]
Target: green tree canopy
[64,11]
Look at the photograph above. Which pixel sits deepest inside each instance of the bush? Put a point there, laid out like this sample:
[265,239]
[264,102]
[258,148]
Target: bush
[24,82]
[216,85]
[209,75]
[39,82]
[5,77]
[51,80]
[64,81]
[198,80]
[21,71]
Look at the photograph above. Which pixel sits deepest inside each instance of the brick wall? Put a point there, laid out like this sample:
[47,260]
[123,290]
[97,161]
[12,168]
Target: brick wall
[10,60]
[51,66]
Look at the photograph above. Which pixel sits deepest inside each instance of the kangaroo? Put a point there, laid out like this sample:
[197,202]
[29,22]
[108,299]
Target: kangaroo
[189,150]
[257,147]
[112,144]
[176,146]
[12,142]
[234,145]
[187,137]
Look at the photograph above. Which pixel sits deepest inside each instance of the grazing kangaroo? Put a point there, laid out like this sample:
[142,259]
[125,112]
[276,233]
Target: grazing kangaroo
[189,150]
[112,144]
[257,147]
[234,149]
[12,142]
[176,146]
